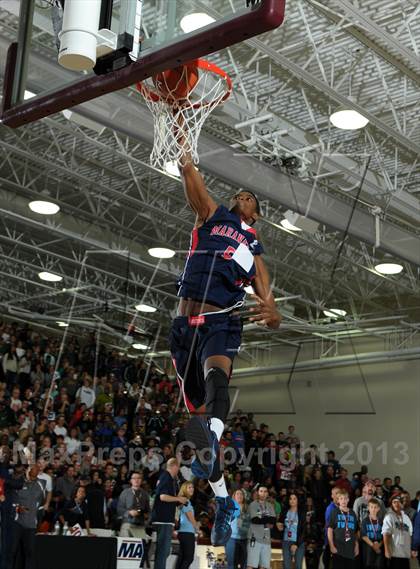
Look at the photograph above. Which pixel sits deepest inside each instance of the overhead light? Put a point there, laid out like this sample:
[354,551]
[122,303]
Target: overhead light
[50,277]
[195,21]
[389,268]
[348,119]
[161,252]
[28,95]
[140,346]
[287,225]
[62,324]
[171,168]
[145,308]
[335,313]
[294,221]
[44,207]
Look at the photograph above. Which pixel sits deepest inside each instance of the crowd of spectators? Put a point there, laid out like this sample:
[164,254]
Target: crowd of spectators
[95,440]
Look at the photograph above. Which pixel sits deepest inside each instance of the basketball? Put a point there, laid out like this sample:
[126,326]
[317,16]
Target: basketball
[177,83]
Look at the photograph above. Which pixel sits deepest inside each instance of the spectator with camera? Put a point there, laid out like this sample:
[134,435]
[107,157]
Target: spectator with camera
[134,508]
[263,519]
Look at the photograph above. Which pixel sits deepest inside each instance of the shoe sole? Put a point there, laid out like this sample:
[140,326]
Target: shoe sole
[198,433]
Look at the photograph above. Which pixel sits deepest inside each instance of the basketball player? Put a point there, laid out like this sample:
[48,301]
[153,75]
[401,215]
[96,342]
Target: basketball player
[224,257]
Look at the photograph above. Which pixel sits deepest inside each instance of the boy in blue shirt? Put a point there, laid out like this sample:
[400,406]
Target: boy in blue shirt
[371,534]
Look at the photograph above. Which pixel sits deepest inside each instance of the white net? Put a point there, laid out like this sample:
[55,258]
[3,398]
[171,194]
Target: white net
[178,121]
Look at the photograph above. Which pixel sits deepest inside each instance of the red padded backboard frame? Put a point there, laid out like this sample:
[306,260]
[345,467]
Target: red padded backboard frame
[267,16]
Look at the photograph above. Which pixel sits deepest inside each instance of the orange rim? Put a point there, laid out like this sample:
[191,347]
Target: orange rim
[202,64]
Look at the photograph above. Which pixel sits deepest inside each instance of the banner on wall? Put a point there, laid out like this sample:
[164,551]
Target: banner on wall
[130,551]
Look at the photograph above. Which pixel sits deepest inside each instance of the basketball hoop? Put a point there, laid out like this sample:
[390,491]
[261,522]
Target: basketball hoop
[180,100]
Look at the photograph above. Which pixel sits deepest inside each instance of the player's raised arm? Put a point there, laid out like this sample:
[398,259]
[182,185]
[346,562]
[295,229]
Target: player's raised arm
[267,313]
[197,194]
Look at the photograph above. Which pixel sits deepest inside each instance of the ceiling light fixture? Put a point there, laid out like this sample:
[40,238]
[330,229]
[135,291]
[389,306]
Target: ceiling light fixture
[335,313]
[140,346]
[287,225]
[161,252]
[195,21]
[50,277]
[171,167]
[62,324]
[145,308]
[348,119]
[44,207]
[389,268]
[294,221]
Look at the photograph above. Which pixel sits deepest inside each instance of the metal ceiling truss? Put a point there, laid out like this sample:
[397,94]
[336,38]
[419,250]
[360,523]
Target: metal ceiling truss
[111,198]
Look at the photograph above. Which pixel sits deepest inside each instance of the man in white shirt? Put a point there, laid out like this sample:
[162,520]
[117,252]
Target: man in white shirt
[397,530]
[86,394]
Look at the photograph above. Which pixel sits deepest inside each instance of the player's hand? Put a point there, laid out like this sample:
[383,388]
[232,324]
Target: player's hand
[333,549]
[388,554]
[266,313]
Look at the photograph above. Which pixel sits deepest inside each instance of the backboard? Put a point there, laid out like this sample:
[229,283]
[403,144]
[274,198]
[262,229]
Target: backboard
[120,42]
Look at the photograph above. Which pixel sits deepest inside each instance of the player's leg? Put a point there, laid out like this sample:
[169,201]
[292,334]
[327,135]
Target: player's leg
[205,430]
[218,345]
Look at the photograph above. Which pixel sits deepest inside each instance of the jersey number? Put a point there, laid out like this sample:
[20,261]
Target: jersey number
[228,253]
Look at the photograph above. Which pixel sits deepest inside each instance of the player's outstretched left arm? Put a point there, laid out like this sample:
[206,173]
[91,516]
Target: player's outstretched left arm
[266,310]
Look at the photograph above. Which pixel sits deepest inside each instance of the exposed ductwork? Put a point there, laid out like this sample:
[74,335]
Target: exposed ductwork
[333,362]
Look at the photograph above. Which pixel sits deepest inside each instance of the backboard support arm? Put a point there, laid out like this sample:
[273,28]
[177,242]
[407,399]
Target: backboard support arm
[26,14]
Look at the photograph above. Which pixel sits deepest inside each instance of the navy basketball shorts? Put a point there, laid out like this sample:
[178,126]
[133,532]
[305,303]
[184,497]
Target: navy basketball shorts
[192,340]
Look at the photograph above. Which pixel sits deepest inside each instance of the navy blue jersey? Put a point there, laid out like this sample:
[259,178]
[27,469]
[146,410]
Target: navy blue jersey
[220,261]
